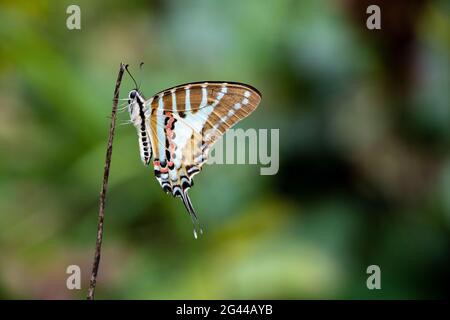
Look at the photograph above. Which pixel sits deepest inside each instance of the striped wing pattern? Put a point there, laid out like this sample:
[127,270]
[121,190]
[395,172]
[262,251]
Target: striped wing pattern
[185,121]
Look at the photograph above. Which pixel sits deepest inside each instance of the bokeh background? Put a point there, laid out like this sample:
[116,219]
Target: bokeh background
[364,176]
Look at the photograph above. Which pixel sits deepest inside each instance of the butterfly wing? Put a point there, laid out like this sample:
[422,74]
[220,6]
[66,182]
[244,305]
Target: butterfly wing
[185,122]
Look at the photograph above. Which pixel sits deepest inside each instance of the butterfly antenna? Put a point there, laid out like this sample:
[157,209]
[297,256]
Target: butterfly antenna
[140,80]
[128,71]
[198,230]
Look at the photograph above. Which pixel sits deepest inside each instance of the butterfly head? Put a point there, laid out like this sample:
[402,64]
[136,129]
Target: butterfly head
[132,96]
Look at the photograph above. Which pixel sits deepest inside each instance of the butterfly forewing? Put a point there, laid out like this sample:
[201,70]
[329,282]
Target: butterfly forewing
[184,122]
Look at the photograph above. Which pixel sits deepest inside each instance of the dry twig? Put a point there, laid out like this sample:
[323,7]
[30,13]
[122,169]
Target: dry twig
[101,211]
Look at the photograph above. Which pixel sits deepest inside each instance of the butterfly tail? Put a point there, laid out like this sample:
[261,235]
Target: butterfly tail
[188,204]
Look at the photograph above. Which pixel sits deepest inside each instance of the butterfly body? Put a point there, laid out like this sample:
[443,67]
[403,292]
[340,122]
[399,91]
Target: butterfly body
[178,126]
[137,115]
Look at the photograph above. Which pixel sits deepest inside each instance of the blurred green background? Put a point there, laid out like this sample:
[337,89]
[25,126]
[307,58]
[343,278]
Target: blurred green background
[364,177]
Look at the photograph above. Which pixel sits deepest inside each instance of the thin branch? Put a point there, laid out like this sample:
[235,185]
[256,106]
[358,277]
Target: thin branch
[101,211]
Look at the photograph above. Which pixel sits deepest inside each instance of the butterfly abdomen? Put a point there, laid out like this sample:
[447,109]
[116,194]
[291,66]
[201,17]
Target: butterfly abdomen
[144,146]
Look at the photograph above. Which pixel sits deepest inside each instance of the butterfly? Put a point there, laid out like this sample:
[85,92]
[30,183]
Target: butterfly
[178,127]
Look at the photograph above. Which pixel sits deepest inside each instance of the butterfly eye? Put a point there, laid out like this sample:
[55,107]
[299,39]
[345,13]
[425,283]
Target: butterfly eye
[132,94]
